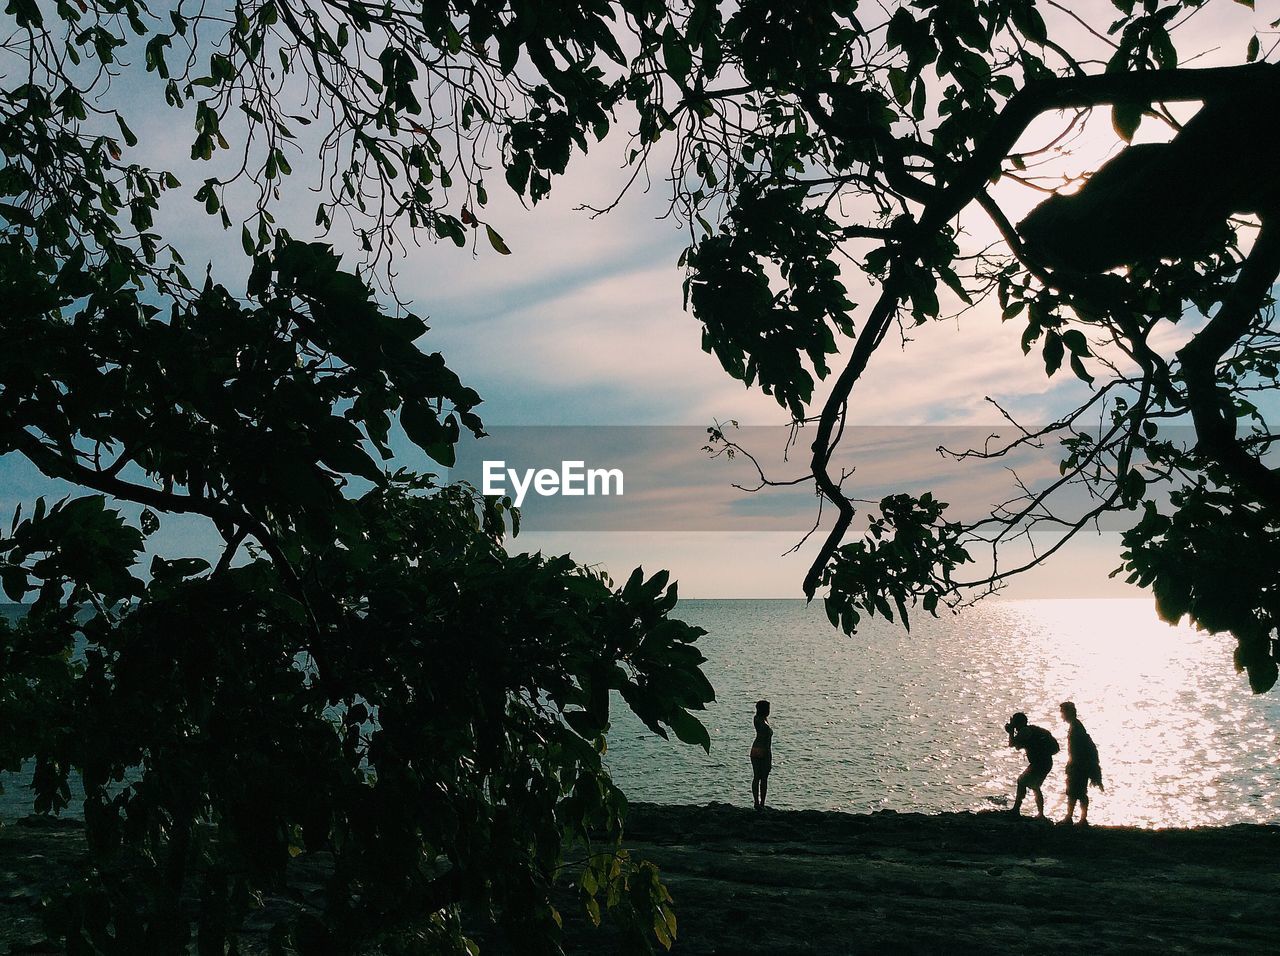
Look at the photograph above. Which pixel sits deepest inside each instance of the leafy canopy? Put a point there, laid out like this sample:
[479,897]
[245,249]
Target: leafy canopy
[829,152]
[358,683]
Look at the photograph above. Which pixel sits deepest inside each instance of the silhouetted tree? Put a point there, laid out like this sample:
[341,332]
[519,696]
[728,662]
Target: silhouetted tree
[830,138]
[360,675]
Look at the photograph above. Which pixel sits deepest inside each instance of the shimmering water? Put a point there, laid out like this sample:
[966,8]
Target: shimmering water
[915,721]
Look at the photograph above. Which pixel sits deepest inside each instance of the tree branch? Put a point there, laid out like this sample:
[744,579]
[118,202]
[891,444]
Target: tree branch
[1211,407]
[965,182]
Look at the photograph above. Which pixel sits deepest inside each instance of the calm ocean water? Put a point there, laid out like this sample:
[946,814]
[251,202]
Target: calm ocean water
[914,721]
[888,719]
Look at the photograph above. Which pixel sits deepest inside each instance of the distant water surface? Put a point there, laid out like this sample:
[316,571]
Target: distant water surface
[914,721]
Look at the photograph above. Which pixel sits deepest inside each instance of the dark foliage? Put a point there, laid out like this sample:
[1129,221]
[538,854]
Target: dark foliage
[358,673]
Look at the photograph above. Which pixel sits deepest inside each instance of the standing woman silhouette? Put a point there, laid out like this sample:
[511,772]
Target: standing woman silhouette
[761,755]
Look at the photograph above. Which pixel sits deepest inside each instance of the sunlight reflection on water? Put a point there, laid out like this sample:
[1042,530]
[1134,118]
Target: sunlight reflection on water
[914,721]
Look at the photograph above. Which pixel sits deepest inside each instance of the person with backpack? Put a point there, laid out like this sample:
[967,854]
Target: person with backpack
[1040,746]
[1083,765]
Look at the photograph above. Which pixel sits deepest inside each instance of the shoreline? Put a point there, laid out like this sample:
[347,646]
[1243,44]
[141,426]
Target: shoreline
[793,882]
[818,882]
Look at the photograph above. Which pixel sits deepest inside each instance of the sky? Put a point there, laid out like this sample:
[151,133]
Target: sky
[582,325]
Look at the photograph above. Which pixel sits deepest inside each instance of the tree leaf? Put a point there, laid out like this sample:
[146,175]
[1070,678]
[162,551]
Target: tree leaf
[1125,118]
[689,729]
[676,54]
[900,84]
[1053,351]
[496,241]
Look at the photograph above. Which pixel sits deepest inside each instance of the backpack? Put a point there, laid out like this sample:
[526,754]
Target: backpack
[1040,743]
[1088,758]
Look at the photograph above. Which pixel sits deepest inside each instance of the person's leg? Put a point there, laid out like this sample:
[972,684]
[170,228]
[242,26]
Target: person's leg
[764,787]
[1022,793]
[755,790]
[1071,808]
[1084,809]
[1039,803]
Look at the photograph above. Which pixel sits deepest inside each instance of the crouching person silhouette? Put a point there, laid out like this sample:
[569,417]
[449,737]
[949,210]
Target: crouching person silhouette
[1039,746]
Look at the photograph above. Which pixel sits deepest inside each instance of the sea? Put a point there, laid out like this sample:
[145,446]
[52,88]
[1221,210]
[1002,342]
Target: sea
[901,720]
[891,719]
